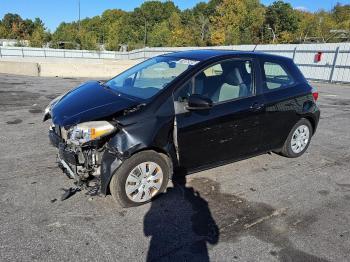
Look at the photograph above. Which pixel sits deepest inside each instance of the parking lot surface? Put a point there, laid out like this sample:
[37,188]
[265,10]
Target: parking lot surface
[266,208]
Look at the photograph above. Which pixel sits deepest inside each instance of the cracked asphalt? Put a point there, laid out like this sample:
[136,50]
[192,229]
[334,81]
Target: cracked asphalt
[267,208]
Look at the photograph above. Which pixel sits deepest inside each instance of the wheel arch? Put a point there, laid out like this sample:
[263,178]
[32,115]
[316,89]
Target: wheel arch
[111,164]
[165,153]
[312,122]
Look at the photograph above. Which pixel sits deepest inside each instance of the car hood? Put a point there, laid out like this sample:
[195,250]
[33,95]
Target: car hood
[88,102]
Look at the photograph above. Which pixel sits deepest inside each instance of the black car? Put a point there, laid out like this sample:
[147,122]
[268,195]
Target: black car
[193,109]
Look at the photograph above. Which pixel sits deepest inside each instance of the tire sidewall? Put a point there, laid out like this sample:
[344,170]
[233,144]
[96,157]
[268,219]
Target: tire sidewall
[117,185]
[288,147]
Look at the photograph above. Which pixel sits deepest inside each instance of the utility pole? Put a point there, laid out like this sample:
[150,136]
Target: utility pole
[145,37]
[79,15]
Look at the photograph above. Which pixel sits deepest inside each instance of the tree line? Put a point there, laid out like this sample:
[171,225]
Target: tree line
[161,24]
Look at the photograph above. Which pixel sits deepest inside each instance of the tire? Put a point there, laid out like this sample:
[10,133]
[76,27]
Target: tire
[134,172]
[292,150]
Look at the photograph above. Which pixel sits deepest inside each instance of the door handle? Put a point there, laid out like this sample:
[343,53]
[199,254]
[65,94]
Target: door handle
[256,106]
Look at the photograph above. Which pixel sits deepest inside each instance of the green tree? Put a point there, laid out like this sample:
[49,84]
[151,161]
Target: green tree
[10,19]
[14,27]
[67,33]
[325,23]
[162,23]
[38,37]
[237,22]
[198,23]
[341,14]
[180,34]
[226,25]
[282,19]
[112,23]
[160,35]
[307,27]
[36,32]
[88,40]
[12,23]
[3,31]
[252,23]
[149,14]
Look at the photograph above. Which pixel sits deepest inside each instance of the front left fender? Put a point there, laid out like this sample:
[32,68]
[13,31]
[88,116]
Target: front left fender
[119,148]
[110,164]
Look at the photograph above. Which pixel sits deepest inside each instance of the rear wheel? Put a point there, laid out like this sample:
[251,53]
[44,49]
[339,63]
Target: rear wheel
[140,178]
[298,139]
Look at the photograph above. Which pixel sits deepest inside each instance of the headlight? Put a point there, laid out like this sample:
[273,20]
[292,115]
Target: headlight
[88,131]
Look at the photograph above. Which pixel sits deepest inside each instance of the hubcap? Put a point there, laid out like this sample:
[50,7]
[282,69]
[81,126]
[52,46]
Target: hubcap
[144,182]
[300,139]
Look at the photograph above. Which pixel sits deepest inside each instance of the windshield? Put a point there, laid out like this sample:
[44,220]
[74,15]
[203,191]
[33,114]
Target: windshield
[148,78]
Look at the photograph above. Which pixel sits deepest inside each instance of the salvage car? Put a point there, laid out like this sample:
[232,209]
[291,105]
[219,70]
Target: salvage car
[192,109]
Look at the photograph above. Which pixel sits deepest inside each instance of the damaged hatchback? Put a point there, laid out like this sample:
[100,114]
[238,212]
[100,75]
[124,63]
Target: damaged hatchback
[192,109]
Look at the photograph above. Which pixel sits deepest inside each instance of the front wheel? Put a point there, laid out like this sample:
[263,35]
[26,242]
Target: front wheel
[298,139]
[140,178]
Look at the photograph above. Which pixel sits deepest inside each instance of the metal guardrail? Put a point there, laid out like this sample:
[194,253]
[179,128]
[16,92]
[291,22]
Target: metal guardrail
[334,65]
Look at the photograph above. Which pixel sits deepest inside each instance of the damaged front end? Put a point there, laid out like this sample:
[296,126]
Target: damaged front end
[80,148]
[85,157]
[98,126]
[83,121]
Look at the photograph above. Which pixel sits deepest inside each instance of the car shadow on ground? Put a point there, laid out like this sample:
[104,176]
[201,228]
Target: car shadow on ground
[185,222]
[180,225]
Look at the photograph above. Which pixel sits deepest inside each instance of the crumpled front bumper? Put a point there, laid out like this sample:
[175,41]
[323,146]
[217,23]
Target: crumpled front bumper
[65,157]
[63,152]
[55,140]
[67,160]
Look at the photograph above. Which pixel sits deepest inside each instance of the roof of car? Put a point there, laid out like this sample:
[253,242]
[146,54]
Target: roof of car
[205,54]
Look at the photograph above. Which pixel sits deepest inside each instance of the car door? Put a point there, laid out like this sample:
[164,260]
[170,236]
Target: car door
[230,129]
[280,89]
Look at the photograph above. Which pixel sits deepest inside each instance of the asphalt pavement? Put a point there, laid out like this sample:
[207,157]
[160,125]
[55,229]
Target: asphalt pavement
[267,208]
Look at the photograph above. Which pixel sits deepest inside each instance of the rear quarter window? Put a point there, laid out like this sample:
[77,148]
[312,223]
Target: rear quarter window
[215,70]
[276,76]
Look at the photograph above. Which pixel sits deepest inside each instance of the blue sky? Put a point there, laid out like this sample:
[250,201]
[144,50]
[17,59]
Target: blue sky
[53,12]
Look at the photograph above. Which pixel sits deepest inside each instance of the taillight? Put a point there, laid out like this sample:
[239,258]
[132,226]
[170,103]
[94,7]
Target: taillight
[315,93]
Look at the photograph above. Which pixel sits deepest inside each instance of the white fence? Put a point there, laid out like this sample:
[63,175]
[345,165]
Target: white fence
[334,65]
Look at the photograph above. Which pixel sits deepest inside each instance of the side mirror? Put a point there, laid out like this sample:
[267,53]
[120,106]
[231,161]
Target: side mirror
[196,102]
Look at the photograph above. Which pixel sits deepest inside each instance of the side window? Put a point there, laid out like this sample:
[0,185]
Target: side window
[215,70]
[276,76]
[181,95]
[248,67]
[228,80]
